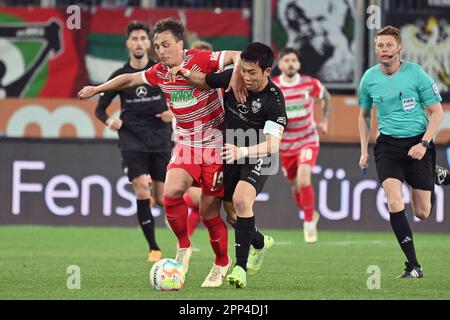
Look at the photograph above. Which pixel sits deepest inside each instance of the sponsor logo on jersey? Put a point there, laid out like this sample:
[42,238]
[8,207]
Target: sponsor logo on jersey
[183,98]
[296,111]
[242,108]
[141,91]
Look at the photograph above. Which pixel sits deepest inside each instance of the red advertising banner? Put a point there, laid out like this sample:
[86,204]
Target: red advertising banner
[54,52]
[41,56]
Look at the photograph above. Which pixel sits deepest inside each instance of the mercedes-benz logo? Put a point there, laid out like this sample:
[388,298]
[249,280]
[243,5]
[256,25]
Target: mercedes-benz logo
[243,108]
[141,91]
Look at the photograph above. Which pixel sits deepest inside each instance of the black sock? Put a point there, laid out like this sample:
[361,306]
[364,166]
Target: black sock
[404,236]
[244,232]
[258,240]
[258,237]
[147,222]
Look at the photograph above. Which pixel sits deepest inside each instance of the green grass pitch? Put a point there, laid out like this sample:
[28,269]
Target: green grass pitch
[113,265]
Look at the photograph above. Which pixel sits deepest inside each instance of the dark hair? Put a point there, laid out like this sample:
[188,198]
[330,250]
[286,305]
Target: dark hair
[137,25]
[258,53]
[287,51]
[175,27]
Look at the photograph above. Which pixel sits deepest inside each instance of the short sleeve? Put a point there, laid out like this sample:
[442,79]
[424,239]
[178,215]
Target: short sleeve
[276,116]
[428,90]
[318,88]
[149,76]
[365,101]
[209,61]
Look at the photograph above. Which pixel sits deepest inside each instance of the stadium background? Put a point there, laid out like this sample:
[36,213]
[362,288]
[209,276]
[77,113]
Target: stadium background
[51,139]
[64,201]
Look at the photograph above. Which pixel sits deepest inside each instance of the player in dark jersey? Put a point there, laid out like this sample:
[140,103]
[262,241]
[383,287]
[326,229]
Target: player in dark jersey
[253,131]
[144,132]
[199,121]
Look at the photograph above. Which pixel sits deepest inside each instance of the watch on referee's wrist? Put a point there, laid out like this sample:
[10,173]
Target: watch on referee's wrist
[425,143]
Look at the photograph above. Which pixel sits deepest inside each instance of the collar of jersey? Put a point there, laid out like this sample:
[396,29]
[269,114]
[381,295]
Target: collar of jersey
[297,80]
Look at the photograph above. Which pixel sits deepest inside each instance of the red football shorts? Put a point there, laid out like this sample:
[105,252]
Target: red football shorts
[290,163]
[203,165]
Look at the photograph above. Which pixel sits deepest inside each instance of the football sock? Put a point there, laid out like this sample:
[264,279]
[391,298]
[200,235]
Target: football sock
[307,200]
[194,216]
[176,213]
[404,236]
[147,222]
[297,200]
[218,236]
[258,238]
[244,232]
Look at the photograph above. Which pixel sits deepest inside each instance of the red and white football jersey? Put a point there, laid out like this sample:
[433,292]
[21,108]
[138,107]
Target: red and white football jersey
[198,112]
[299,96]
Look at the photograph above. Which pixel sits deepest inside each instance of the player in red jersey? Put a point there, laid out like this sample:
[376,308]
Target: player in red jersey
[196,158]
[300,143]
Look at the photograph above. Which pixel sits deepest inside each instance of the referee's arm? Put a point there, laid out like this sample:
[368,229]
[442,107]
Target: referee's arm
[364,123]
[436,115]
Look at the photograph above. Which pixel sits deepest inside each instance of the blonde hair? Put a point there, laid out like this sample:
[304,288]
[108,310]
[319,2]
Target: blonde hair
[390,31]
[203,45]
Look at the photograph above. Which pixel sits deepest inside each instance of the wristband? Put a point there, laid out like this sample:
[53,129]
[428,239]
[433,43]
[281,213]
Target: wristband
[244,151]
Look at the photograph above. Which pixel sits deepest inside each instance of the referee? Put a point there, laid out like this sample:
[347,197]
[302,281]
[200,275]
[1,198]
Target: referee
[404,95]
[144,130]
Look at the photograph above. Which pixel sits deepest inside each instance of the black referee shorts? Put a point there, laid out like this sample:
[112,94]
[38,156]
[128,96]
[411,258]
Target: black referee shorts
[251,173]
[392,161]
[137,163]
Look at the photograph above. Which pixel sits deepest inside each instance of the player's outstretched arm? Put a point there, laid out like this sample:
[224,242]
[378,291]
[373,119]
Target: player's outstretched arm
[118,83]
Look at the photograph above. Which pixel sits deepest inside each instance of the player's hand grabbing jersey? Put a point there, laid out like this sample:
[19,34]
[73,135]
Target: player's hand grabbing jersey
[198,112]
[263,110]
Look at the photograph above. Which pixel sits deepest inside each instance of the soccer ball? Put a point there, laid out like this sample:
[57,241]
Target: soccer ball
[167,275]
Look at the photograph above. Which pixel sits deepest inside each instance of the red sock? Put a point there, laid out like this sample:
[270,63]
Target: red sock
[176,213]
[194,216]
[297,200]
[307,200]
[218,235]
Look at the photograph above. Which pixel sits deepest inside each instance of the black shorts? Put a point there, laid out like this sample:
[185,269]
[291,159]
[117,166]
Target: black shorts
[255,174]
[137,163]
[392,161]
